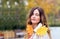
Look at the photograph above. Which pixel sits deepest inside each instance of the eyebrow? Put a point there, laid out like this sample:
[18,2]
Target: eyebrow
[36,13]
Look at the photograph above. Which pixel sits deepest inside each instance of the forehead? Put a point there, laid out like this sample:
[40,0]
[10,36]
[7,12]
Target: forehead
[36,11]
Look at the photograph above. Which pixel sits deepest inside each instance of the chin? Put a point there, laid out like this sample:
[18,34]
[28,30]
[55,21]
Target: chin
[34,22]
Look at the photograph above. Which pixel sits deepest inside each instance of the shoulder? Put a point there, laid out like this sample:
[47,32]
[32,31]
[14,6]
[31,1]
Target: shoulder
[46,36]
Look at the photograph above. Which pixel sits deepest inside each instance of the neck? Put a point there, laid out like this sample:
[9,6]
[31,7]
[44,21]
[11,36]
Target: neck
[34,25]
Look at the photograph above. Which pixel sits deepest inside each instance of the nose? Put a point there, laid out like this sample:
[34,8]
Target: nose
[33,16]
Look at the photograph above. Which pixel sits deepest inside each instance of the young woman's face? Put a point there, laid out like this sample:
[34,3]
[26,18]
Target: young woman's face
[35,18]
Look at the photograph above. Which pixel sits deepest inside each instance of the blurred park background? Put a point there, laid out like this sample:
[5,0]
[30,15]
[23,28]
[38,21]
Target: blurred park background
[13,14]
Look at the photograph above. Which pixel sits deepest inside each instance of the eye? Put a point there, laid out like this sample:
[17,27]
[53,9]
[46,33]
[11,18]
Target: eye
[37,14]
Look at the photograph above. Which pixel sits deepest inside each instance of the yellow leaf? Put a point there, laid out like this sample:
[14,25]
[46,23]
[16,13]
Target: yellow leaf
[42,31]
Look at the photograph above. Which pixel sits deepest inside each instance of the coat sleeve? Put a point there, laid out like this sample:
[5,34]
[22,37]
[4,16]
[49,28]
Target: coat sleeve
[44,37]
[34,36]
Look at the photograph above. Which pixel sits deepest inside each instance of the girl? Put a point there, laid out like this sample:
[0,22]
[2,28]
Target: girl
[37,18]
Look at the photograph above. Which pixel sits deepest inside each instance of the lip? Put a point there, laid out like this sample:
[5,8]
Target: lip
[33,19]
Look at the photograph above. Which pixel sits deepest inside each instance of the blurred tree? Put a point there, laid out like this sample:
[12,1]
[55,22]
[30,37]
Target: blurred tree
[12,16]
[41,3]
[31,4]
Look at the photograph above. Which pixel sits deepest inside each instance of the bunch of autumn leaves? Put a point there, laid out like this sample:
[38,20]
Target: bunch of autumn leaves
[39,30]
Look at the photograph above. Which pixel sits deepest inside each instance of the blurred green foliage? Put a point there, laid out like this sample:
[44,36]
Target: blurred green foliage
[13,17]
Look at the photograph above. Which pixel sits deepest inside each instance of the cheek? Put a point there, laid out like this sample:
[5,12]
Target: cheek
[37,19]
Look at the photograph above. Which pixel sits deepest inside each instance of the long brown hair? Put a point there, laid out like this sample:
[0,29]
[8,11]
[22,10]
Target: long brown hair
[43,19]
